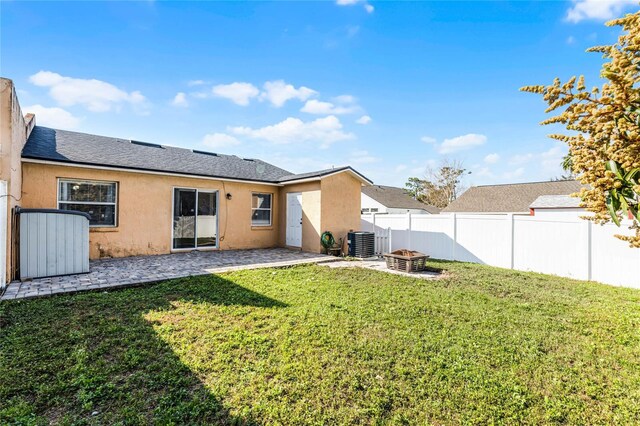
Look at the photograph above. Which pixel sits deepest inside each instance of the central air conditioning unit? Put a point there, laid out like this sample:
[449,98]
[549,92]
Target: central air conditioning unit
[361,244]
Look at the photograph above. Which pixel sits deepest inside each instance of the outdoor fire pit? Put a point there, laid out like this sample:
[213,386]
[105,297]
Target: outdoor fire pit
[406,260]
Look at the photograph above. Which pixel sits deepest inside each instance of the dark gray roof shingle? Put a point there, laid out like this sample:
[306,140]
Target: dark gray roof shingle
[516,197]
[81,148]
[398,198]
[86,149]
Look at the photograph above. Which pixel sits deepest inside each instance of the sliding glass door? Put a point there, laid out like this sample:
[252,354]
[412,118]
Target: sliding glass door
[207,219]
[195,219]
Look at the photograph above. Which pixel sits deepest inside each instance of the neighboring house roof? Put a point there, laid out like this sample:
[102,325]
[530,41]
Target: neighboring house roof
[555,202]
[62,146]
[396,198]
[516,197]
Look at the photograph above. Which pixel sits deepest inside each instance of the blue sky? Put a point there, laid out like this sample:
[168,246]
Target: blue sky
[388,87]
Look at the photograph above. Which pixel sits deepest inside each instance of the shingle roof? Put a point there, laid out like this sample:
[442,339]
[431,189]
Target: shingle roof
[555,201]
[81,148]
[514,198]
[398,198]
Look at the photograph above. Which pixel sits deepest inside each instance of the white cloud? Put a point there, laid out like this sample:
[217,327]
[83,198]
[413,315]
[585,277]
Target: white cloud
[401,168]
[180,100]
[345,99]
[278,92]
[600,10]
[343,104]
[353,30]
[551,159]
[547,162]
[220,140]
[238,93]
[461,143]
[200,95]
[95,95]
[365,119]
[513,173]
[520,159]
[492,158]
[484,172]
[418,171]
[363,157]
[314,106]
[428,139]
[326,130]
[53,117]
[196,83]
[571,40]
[369,8]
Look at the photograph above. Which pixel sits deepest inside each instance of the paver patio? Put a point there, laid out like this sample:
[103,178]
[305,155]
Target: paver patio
[131,271]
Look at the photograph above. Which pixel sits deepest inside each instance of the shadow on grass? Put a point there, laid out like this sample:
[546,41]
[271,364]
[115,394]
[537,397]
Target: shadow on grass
[94,358]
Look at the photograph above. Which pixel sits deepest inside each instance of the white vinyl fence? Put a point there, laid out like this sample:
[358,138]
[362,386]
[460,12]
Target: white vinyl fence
[573,248]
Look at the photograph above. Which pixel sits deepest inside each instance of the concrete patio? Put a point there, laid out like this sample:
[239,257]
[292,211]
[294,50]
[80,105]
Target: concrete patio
[132,271]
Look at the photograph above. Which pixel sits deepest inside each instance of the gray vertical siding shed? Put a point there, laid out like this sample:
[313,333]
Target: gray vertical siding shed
[53,242]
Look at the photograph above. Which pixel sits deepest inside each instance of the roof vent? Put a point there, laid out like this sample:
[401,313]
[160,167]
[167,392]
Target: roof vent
[249,159]
[152,145]
[196,151]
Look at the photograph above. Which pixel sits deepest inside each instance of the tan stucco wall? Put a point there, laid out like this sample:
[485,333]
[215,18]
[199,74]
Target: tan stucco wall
[13,135]
[311,214]
[341,204]
[331,204]
[145,209]
[145,214]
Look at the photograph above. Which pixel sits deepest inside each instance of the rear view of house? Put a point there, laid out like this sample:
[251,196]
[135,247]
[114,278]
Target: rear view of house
[144,198]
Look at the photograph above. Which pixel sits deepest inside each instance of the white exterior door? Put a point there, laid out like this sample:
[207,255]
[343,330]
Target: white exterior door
[294,219]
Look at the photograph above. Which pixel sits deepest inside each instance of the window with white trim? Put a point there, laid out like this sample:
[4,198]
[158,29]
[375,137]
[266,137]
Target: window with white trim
[98,198]
[261,208]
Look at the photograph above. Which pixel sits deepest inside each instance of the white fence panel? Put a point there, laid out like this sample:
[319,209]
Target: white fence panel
[612,259]
[382,233]
[399,224]
[559,246]
[382,242]
[551,246]
[484,239]
[433,235]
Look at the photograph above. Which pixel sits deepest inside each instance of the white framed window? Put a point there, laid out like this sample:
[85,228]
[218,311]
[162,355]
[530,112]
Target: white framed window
[261,209]
[98,198]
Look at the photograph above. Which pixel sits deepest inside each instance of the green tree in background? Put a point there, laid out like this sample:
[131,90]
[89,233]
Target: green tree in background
[439,187]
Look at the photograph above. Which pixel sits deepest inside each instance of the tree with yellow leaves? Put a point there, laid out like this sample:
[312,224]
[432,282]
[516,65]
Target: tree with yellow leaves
[604,151]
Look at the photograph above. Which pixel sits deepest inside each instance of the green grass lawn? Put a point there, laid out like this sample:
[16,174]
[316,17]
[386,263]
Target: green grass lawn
[314,345]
